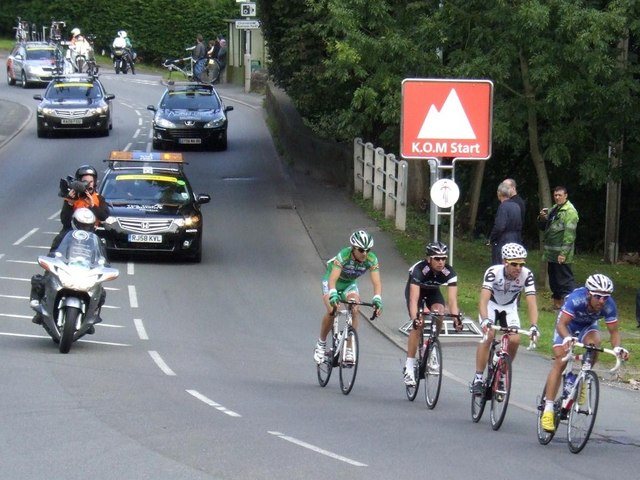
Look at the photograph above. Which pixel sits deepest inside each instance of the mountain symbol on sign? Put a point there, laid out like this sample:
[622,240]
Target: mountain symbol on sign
[451,122]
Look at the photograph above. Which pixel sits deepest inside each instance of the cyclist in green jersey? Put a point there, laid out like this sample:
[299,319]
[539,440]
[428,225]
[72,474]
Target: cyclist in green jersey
[339,283]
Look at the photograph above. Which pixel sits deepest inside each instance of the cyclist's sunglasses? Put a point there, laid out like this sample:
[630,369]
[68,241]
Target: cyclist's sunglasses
[517,264]
[439,259]
[598,296]
[363,250]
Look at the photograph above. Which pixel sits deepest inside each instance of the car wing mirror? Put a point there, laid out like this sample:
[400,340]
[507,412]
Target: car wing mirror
[228,109]
[37,96]
[152,108]
[203,198]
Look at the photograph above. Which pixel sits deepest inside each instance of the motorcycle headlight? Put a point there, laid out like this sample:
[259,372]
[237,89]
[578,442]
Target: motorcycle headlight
[77,280]
[164,123]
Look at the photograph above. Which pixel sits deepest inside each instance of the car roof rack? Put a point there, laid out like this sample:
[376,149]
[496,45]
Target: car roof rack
[154,160]
[75,76]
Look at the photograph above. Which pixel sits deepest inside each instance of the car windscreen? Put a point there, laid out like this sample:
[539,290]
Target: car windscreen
[139,188]
[41,53]
[190,100]
[66,90]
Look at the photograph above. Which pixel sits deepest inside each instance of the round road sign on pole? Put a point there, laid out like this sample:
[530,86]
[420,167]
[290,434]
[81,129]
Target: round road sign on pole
[445,193]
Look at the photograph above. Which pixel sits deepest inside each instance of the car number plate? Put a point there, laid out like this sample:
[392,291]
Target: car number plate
[141,238]
[190,140]
[71,121]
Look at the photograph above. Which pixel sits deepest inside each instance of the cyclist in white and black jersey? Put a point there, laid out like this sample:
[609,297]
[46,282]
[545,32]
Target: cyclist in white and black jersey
[501,288]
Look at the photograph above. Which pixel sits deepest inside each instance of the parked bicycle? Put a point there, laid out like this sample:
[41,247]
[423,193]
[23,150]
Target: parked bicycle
[497,381]
[578,402]
[428,366]
[343,337]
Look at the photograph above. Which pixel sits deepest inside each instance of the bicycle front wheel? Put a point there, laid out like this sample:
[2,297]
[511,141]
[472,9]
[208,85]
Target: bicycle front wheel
[478,402]
[433,374]
[412,391]
[545,437]
[349,363]
[500,391]
[583,412]
[325,368]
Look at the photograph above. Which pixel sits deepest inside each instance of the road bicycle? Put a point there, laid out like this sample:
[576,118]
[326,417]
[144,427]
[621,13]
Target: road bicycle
[55,31]
[186,66]
[343,337]
[578,401]
[24,31]
[497,382]
[428,366]
[91,65]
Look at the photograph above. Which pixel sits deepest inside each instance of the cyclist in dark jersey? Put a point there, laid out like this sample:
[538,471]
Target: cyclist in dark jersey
[579,316]
[425,279]
[339,283]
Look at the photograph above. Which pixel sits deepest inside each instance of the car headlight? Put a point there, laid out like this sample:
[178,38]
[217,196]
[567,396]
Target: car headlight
[99,110]
[46,111]
[191,221]
[218,122]
[164,123]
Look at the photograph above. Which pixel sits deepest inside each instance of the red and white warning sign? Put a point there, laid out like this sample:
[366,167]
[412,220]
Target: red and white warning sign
[446,118]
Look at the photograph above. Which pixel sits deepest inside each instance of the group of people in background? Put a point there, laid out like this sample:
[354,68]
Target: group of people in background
[558,223]
[204,56]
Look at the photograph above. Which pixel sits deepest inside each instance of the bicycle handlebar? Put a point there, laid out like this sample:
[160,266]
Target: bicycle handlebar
[575,343]
[353,302]
[532,338]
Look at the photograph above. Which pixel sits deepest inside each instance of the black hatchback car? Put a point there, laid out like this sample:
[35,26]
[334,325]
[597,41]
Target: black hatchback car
[152,206]
[190,114]
[75,102]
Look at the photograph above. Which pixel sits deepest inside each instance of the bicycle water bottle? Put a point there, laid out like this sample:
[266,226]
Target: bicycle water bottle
[569,380]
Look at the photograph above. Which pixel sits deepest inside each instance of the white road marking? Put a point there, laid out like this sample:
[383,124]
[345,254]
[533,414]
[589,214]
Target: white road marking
[54,215]
[213,404]
[28,262]
[27,235]
[131,268]
[318,449]
[160,363]
[142,333]
[16,279]
[136,133]
[133,297]
[18,297]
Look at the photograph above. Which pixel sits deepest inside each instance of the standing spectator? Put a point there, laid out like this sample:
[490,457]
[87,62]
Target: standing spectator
[507,226]
[559,225]
[200,57]
[222,57]
[514,197]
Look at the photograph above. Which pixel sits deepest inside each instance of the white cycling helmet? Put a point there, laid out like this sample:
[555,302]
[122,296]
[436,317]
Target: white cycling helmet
[513,250]
[361,239]
[75,32]
[599,284]
[84,219]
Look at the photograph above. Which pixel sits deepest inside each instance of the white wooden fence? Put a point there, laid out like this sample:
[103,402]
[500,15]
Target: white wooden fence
[382,178]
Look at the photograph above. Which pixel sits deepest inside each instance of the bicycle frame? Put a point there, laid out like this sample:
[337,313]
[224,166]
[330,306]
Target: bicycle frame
[172,65]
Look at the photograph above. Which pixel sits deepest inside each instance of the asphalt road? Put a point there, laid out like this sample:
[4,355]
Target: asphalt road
[205,371]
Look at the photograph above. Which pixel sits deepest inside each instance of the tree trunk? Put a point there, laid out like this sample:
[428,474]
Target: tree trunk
[476,188]
[544,191]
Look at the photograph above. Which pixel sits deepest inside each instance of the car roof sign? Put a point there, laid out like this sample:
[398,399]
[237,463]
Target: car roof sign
[140,156]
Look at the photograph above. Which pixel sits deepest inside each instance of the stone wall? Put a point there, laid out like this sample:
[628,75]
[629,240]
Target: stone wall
[304,151]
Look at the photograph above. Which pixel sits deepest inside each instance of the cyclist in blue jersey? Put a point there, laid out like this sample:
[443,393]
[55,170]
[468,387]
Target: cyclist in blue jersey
[339,283]
[579,317]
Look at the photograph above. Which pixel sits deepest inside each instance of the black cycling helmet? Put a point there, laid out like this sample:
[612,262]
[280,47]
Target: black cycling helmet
[86,170]
[436,249]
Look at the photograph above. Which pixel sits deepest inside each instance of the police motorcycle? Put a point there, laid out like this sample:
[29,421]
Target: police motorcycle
[71,293]
[122,54]
[79,52]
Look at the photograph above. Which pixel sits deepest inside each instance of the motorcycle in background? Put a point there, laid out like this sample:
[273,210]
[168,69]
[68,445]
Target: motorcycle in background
[80,54]
[123,59]
[73,293]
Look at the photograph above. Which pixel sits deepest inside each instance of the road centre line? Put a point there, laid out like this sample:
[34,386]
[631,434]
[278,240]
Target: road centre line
[131,270]
[28,262]
[213,404]
[133,297]
[318,449]
[142,332]
[27,235]
[160,363]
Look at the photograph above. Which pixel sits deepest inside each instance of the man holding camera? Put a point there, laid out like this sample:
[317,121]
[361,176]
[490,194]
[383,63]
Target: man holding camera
[80,193]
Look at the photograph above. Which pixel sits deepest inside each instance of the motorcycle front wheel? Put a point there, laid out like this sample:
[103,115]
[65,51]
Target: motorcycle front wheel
[68,328]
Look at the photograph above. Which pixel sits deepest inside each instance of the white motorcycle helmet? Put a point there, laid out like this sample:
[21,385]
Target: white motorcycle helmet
[75,32]
[84,219]
[122,34]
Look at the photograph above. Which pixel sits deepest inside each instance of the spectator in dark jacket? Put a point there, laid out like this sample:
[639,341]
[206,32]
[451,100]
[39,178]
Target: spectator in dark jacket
[514,197]
[507,226]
